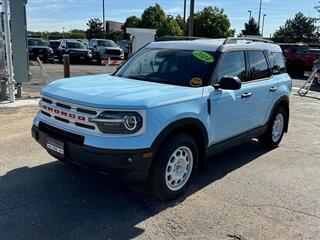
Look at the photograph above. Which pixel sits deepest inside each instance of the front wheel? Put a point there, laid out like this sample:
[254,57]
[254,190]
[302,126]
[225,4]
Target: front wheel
[273,136]
[173,167]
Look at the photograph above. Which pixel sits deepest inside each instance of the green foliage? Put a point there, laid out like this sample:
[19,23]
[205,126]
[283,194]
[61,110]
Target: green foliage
[95,29]
[56,35]
[153,17]
[299,29]
[131,22]
[76,34]
[179,20]
[251,28]
[116,36]
[212,22]
[169,27]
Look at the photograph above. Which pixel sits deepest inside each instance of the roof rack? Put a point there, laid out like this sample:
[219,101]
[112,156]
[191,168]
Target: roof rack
[173,38]
[248,38]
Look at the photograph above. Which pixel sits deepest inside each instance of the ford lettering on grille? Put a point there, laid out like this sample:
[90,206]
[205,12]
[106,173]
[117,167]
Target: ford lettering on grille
[63,113]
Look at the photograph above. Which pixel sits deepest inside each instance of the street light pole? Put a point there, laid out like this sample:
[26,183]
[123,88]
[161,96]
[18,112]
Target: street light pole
[191,18]
[264,15]
[259,18]
[184,15]
[250,12]
[104,17]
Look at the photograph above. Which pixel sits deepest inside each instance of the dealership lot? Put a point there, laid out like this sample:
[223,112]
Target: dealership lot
[245,193]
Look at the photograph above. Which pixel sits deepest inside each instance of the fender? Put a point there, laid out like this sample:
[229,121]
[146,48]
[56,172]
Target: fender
[281,99]
[185,122]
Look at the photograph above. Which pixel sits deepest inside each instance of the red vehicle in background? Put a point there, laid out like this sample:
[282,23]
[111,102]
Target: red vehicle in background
[299,58]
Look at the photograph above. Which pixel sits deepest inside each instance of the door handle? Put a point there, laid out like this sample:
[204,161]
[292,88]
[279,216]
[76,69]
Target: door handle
[273,89]
[245,95]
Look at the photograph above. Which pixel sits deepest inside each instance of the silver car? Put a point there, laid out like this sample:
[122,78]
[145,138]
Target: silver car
[103,49]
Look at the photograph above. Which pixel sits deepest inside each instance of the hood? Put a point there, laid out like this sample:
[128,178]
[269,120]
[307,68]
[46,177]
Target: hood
[78,50]
[111,48]
[38,47]
[105,91]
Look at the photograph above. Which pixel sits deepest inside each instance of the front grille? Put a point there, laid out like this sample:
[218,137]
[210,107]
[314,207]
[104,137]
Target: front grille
[55,132]
[68,113]
[46,100]
[113,52]
[63,106]
[86,111]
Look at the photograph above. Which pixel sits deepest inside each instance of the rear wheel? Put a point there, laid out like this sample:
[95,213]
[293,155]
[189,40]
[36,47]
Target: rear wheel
[273,136]
[173,167]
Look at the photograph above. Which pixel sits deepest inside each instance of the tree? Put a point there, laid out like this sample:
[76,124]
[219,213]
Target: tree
[95,29]
[180,21]
[299,29]
[77,34]
[250,28]
[169,27]
[131,22]
[212,22]
[153,17]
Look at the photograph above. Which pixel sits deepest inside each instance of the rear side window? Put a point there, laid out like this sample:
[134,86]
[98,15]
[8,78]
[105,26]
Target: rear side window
[259,68]
[277,62]
[232,64]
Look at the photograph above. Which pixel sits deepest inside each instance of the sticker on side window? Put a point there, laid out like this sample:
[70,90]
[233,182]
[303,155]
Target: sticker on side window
[203,56]
[196,82]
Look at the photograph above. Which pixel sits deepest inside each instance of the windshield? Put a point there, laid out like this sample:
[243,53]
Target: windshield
[54,44]
[75,45]
[171,66]
[106,44]
[37,42]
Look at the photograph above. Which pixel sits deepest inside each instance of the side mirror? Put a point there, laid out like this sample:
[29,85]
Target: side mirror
[94,46]
[229,83]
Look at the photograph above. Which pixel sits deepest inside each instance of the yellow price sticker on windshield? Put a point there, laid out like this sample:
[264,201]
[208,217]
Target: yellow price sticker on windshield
[196,82]
[203,56]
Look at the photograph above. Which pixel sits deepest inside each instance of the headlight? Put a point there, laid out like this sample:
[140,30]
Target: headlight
[118,122]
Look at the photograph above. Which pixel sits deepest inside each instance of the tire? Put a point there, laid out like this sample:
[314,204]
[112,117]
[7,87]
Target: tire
[98,59]
[273,136]
[173,167]
[317,81]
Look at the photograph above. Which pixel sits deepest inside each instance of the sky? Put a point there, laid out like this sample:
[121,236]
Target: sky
[54,15]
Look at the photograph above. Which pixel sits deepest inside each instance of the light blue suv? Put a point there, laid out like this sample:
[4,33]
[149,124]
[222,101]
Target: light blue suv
[168,108]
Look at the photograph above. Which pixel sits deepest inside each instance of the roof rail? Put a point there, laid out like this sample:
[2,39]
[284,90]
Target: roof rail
[173,38]
[249,38]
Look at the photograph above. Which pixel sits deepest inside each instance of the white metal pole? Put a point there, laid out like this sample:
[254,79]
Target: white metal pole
[8,49]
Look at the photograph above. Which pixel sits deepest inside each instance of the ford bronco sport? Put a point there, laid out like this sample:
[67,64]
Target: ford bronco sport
[168,108]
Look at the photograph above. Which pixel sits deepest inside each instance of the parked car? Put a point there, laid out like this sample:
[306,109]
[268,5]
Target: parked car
[54,44]
[76,50]
[299,58]
[37,47]
[103,49]
[125,46]
[167,109]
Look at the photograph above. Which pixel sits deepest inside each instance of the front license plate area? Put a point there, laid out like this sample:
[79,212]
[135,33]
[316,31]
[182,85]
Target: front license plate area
[56,147]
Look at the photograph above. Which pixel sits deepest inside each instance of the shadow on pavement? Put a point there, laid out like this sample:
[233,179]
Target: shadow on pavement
[61,201]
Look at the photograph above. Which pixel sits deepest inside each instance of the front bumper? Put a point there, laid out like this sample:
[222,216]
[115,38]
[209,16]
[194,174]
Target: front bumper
[133,163]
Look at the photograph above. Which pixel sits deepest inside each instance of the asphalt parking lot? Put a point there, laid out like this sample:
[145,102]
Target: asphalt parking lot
[245,193]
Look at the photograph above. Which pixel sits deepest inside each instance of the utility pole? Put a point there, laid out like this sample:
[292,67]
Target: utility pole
[260,6]
[191,18]
[264,15]
[104,18]
[250,12]
[184,14]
